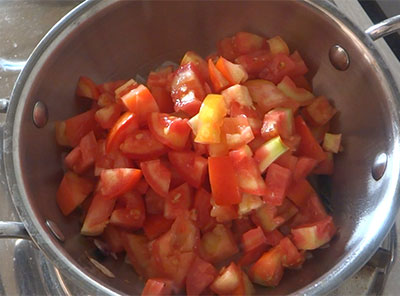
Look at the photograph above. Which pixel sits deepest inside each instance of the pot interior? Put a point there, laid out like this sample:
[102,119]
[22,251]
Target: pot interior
[132,37]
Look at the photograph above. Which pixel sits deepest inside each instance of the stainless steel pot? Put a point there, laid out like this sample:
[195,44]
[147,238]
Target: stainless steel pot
[119,39]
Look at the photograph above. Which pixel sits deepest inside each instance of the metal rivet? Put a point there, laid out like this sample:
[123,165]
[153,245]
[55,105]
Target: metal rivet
[379,166]
[40,115]
[55,230]
[339,57]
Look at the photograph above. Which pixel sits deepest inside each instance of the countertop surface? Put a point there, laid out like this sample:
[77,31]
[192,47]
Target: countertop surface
[22,24]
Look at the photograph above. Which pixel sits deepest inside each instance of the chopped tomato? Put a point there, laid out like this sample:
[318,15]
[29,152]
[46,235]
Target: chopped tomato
[87,88]
[278,46]
[308,145]
[190,166]
[228,280]
[200,275]
[299,191]
[255,62]
[225,49]
[302,82]
[72,191]
[249,203]
[237,131]
[141,102]
[277,182]
[113,238]
[268,270]
[287,160]
[291,257]
[273,237]
[187,89]
[325,167]
[238,94]
[170,130]
[280,66]
[115,182]
[129,212]
[300,67]
[245,42]
[201,64]
[178,201]
[125,125]
[234,73]
[136,247]
[154,202]
[157,176]
[112,160]
[203,207]
[248,175]
[159,83]
[223,214]
[156,225]
[269,152]
[124,89]
[223,180]
[320,111]
[300,95]
[278,122]
[157,287]
[108,115]
[110,86]
[218,80]
[83,156]
[253,239]
[75,128]
[141,145]
[304,166]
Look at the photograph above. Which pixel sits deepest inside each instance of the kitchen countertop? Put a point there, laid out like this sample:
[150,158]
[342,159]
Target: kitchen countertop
[22,24]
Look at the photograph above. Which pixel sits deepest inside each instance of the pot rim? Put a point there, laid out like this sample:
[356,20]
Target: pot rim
[345,268]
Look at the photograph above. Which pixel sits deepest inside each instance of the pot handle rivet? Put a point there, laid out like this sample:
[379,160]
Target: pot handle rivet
[379,166]
[40,114]
[339,57]
[55,230]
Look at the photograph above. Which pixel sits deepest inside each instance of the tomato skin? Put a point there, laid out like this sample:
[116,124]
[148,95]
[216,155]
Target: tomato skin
[157,176]
[87,88]
[170,130]
[268,270]
[190,166]
[78,126]
[223,181]
[115,182]
[178,201]
[277,182]
[157,287]
[141,102]
[141,145]
[308,145]
[97,215]
[129,212]
[156,225]
[200,275]
[72,191]
[127,123]
[187,89]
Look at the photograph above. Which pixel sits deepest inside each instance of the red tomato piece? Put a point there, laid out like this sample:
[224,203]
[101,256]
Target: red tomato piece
[112,160]
[267,218]
[190,166]
[136,247]
[255,62]
[87,88]
[223,180]
[113,238]
[115,182]
[308,145]
[302,82]
[234,73]
[72,191]
[268,270]
[313,235]
[252,115]
[200,275]
[248,175]
[219,82]
[141,102]
[125,125]
[237,131]
[300,66]
[225,48]
[154,202]
[178,201]
[172,131]
[325,167]
[218,244]
[159,82]
[317,131]
[299,191]
[223,214]
[83,156]
[187,89]
[311,211]
[156,225]
[124,89]
[252,256]
[107,116]
[273,237]
[278,122]
[203,207]
[277,45]
[129,212]
[97,215]
[141,145]
[253,239]
[320,111]
[300,95]
[277,181]
[75,128]
[228,280]
[157,287]
[201,64]
[245,43]
[157,176]
[291,257]
[142,186]
[280,66]
[303,168]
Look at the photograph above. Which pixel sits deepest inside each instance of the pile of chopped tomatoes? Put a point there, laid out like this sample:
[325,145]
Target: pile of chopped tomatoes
[203,168]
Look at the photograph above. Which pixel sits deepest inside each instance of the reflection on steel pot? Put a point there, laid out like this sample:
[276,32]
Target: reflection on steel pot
[117,39]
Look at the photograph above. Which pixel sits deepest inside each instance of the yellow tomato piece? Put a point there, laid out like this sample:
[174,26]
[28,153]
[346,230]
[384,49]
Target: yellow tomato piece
[211,115]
